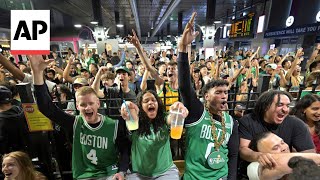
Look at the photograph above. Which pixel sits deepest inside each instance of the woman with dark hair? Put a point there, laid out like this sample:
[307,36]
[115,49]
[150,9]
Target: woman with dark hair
[308,110]
[197,81]
[150,152]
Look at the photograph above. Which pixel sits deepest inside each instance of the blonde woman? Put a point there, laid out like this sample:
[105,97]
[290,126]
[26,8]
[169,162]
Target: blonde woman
[17,165]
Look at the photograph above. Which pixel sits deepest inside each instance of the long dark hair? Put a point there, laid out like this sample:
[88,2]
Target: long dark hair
[265,100]
[144,121]
[303,104]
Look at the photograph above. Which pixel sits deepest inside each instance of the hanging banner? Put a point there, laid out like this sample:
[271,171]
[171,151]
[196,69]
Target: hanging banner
[35,119]
[293,31]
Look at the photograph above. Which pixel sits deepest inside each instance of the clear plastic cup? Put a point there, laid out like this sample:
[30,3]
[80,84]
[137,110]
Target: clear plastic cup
[177,121]
[133,122]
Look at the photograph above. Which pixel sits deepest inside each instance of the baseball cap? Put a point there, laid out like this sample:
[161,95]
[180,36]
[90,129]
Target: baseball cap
[272,66]
[122,68]
[5,94]
[82,81]
[196,70]
[84,69]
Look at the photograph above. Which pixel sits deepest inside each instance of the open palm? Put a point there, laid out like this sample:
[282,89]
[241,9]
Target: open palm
[38,63]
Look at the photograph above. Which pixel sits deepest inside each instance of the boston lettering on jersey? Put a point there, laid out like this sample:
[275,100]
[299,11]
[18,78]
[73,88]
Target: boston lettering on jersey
[207,134]
[94,141]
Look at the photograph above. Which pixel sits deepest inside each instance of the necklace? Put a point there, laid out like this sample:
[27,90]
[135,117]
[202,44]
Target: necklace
[217,159]
[217,143]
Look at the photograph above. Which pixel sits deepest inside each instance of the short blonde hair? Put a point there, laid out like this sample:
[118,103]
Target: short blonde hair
[85,90]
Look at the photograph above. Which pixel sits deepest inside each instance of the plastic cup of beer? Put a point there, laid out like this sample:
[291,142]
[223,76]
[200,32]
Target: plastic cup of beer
[133,122]
[177,121]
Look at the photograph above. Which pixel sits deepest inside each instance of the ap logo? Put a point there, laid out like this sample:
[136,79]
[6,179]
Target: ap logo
[30,31]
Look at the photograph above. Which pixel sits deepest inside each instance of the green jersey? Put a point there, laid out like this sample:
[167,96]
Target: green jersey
[199,145]
[94,152]
[305,92]
[151,154]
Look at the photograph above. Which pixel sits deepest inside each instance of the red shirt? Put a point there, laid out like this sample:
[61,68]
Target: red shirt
[316,141]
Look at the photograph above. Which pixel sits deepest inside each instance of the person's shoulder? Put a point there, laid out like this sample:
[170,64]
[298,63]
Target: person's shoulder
[293,121]
[248,118]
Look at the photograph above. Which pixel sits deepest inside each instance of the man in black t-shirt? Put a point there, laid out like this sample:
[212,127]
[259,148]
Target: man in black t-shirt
[271,114]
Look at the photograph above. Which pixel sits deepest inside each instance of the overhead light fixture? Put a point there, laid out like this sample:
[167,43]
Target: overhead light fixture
[217,21]
[233,17]
[77,25]
[120,25]
[94,22]
[104,28]
[228,24]
[169,35]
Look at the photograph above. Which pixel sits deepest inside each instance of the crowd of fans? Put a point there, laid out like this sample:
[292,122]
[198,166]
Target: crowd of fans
[224,107]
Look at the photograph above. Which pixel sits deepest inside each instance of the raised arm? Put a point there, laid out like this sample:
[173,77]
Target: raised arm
[188,94]
[66,72]
[143,84]
[96,83]
[44,101]
[144,59]
[123,57]
[313,56]
[282,59]
[16,72]
[294,63]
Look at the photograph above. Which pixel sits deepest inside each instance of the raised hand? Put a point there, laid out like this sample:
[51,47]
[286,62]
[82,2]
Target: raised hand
[181,107]
[300,52]
[38,64]
[132,107]
[134,39]
[188,34]
[103,69]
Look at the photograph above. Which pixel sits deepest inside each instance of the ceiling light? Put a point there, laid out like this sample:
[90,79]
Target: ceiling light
[228,24]
[77,25]
[120,25]
[217,21]
[104,28]
[168,35]
[94,22]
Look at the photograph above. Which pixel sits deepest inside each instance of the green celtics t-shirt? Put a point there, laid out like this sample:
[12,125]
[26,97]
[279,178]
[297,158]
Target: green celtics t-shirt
[305,92]
[94,153]
[151,154]
[200,144]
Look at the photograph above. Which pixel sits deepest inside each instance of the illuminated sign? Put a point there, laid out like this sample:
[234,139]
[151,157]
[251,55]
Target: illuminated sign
[318,17]
[289,21]
[242,27]
[261,24]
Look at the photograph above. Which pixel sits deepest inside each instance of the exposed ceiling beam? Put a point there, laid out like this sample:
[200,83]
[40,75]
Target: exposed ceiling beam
[172,6]
[134,10]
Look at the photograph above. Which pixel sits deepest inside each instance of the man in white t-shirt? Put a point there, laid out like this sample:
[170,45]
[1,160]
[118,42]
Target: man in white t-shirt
[267,142]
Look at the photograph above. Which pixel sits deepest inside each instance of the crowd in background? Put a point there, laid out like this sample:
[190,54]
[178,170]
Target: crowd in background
[115,76]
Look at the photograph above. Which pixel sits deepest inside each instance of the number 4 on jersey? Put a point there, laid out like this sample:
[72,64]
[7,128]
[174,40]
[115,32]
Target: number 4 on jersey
[92,156]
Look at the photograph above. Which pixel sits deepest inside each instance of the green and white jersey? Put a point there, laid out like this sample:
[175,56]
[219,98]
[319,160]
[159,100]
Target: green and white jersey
[94,152]
[200,143]
[151,154]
